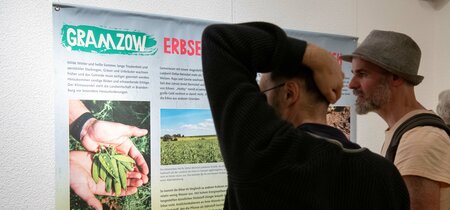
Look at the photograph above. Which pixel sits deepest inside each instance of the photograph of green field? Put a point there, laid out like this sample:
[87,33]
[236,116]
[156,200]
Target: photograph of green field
[188,137]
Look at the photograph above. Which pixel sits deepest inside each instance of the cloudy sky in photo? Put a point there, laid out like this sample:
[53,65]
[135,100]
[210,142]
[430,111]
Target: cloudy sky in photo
[188,122]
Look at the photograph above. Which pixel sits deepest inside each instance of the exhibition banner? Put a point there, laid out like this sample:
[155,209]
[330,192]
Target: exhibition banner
[130,86]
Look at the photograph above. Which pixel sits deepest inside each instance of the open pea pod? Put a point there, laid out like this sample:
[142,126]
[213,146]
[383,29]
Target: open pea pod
[123,158]
[107,164]
[128,166]
[115,170]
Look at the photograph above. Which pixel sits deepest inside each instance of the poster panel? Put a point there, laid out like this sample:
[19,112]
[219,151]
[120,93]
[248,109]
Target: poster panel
[139,78]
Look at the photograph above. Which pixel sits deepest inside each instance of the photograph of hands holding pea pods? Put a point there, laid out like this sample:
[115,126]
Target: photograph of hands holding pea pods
[109,154]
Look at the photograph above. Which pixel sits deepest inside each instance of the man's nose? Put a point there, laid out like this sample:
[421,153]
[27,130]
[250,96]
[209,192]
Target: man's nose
[353,83]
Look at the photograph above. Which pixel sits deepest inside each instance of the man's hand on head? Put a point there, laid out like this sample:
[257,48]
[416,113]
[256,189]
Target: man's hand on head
[328,74]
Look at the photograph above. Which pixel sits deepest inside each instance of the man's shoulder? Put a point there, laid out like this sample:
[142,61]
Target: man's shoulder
[379,166]
[360,154]
[426,124]
[410,115]
[420,122]
[369,156]
[427,129]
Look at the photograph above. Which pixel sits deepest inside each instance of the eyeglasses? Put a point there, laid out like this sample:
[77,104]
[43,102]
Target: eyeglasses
[274,87]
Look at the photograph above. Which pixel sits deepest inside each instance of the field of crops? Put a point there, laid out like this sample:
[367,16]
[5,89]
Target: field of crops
[190,150]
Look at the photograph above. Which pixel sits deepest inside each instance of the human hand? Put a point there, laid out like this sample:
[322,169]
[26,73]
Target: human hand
[127,147]
[328,74]
[98,133]
[83,185]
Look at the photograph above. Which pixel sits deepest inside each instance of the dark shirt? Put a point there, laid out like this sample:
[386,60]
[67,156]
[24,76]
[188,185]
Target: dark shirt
[271,164]
[329,132]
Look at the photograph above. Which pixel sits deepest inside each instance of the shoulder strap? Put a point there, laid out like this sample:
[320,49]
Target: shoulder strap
[424,119]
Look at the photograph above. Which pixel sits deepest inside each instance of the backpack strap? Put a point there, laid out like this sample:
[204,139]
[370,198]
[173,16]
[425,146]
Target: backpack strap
[424,119]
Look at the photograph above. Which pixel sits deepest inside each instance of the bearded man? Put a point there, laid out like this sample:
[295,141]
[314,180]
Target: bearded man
[385,68]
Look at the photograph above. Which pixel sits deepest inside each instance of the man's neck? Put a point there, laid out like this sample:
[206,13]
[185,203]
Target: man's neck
[308,116]
[398,106]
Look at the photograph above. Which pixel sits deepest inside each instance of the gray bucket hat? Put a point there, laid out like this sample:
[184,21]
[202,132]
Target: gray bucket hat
[392,51]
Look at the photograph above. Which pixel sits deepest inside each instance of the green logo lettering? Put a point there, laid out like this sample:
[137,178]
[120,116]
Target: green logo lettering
[99,40]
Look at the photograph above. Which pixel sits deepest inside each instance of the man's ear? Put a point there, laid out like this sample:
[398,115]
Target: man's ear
[292,93]
[396,80]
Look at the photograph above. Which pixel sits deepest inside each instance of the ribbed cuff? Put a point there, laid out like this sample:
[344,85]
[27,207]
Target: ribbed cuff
[77,125]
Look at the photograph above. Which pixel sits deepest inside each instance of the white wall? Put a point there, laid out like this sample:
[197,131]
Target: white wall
[441,59]
[27,76]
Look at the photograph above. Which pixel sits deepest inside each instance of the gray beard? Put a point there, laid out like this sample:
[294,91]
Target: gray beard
[366,104]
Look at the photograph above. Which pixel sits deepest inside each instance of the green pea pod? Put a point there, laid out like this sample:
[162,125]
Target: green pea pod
[123,158]
[95,170]
[108,181]
[128,166]
[122,175]
[115,169]
[106,162]
[102,173]
[117,187]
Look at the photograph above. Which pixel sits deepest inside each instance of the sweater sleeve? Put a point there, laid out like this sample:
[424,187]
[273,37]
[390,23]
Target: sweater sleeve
[250,133]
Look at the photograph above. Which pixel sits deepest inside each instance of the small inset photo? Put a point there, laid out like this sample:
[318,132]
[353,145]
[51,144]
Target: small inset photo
[339,117]
[109,154]
[188,137]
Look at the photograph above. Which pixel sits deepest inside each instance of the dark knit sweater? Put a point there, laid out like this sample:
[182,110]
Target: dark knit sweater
[270,163]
